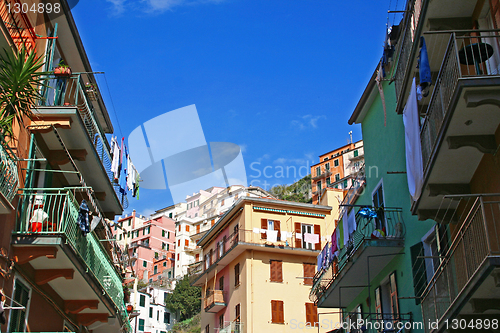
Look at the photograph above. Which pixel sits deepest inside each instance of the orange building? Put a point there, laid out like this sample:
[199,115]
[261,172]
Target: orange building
[336,169]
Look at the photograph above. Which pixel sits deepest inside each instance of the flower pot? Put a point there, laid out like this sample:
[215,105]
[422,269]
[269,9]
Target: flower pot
[62,71]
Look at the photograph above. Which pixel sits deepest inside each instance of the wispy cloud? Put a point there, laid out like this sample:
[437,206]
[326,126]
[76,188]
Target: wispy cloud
[155,6]
[306,121]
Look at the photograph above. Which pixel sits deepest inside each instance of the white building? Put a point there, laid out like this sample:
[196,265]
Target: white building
[201,214]
[153,317]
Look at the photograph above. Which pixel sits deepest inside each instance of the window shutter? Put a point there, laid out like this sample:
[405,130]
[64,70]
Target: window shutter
[309,270]
[273,270]
[298,242]
[317,231]
[311,314]
[274,311]
[263,225]
[237,274]
[277,226]
[280,311]
[186,242]
[279,271]
[418,267]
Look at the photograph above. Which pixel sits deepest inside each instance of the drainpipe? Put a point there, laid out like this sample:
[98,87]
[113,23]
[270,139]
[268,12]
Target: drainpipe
[251,290]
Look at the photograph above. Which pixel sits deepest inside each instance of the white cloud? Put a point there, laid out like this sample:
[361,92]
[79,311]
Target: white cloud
[307,121]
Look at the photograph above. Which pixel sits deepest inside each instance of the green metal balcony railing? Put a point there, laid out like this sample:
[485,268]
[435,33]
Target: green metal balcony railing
[65,91]
[55,213]
[477,239]
[9,178]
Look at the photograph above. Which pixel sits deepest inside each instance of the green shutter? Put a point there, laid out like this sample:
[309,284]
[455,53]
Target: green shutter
[17,317]
[141,324]
[419,275]
[142,300]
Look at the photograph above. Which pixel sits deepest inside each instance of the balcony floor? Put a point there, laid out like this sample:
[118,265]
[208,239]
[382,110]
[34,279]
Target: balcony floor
[353,277]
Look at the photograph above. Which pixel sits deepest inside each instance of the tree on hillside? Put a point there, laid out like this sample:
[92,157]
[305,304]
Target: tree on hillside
[299,191]
[185,299]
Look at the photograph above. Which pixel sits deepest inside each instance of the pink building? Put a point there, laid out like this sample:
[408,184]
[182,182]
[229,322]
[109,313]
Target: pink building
[152,249]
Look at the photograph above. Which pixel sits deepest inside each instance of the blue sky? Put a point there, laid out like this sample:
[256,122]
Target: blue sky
[279,78]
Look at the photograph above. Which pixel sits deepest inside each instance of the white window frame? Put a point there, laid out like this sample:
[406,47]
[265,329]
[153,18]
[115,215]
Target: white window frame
[27,285]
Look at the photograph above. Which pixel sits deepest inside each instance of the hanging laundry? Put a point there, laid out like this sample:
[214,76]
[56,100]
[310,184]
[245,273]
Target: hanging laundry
[319,261]
[345,227]
[335,247]
[298,235]
[83,218]
[424,68]
[378,79]
[135,192]
[326,256]
[311,238]
[272,236]
[256,230]
[115,164]
[351,222]
[414,164]
[367,212]
[95,222]
[130,174]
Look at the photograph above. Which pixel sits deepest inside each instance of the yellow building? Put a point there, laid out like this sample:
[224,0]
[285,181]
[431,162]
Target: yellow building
[260,258]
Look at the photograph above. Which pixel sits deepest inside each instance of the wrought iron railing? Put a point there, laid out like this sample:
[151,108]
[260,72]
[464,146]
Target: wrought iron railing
[406,45]
[55,213]
[9,178]
[371,224]
[476,240]
[66,91]
[453,68]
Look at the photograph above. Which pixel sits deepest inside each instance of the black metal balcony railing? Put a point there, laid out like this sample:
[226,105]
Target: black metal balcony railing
[447,82]
[407,45]
[9,178]
[71,91]
[476,240]
[372,224]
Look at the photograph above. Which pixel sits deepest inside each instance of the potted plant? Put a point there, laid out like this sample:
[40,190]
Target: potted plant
[91,90]
[62,69]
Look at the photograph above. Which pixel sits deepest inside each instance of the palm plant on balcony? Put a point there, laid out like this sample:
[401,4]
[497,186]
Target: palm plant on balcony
[20,82]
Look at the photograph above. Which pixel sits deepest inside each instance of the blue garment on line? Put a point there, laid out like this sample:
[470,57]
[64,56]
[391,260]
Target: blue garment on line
[423,65]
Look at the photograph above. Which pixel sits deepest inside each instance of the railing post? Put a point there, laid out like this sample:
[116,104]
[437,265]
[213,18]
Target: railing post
[454,38]
[485,223]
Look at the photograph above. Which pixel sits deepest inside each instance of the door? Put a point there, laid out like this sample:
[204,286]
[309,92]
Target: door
[307,229]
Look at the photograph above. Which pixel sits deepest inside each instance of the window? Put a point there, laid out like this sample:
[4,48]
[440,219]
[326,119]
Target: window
[336,163]
[128,234]
[277,315]
[142,300]
[179,227]
[207,329]
[164,264]
[318,171]
[237,313]
[155,270]
[186,242]
[178,242]
[168,247]
[318,186]
[120,237]
[150,312]
[169,275]
[345,183]
[144,263]
[221,321]
[222,202]
[116,227]
[221,283]
[170,215]
[168,234]
[309,271]
[386,299]
[129,222]
[237,274]
[270,225]
[311,315]
[17,317]
[197,257]
[149,229]
[198,229]
[276,270]
[213,222]
[328,182]
[178,256]
[141,324]
[337,177]
[166,317]
[163,233]
[356,153]
[162,246]
[378,202]
[187,228]
[156,255]
[327,166]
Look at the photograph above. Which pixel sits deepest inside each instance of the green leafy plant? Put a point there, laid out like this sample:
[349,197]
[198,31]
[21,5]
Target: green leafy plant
[20,83]
[185,299]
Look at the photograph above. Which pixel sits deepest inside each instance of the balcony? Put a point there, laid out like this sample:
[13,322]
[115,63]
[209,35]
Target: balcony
[459,118]
[194,270]
[465,285]
[369,249]
[9,179]
[233,327]
[323,174]
[214,301]
[76,113]
[62,259]
[237,243]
